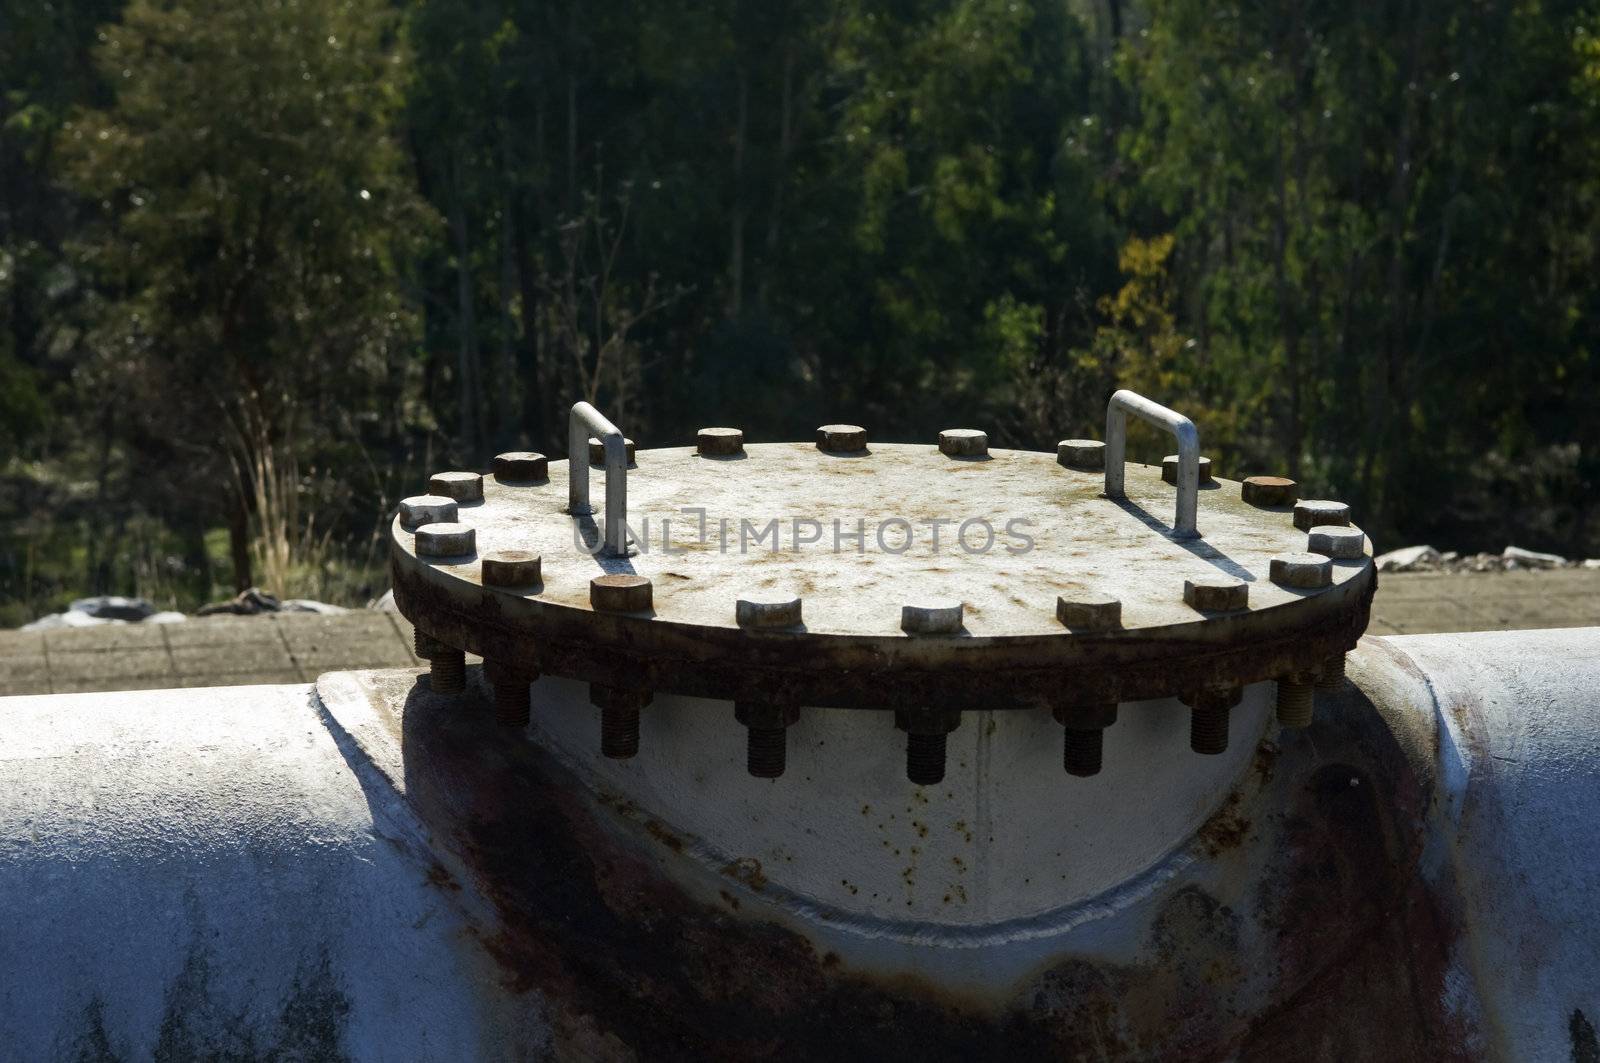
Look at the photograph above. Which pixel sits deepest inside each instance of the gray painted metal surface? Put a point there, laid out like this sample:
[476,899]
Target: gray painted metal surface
[371,871]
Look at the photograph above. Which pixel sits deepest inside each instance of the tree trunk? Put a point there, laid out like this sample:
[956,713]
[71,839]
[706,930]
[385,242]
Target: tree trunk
[239,543]
[466,323]
[736,242]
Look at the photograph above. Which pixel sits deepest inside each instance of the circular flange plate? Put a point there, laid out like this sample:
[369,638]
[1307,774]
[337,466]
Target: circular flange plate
[1015,531]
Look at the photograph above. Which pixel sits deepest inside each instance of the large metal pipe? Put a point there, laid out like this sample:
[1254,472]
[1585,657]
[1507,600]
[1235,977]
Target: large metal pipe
[360,869]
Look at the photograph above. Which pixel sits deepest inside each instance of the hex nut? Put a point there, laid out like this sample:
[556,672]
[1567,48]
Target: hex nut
[461,486]
[1169,469]
[426,509]
[1269,491]
[767,610]
[1086,715]
[719,442]
[1341,544]
[446,539]
[620,593]
[511,568]
[1216,594]
[521,467]
[597,451]
[841,438]
[1317,512]
[1086,455]
[1084,611]
[963,442]
[1306,571]
[936,617]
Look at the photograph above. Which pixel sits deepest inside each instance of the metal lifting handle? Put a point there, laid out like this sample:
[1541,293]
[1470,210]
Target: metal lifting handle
[1117,410]
[585,419]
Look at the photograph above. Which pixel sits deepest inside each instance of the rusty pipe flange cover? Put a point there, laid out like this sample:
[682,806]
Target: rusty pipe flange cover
[858,537]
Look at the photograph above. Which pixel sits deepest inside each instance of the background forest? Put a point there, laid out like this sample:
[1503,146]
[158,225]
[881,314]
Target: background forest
[264,264]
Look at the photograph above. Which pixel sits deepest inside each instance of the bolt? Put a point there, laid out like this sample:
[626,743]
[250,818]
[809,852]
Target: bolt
[1208,718]
[510,685]
[963,443]
[1315,512]
[620,593]
[461,486]
[768,610]
[1304,571]
[841,438]
[1269,491]
[1085,455]
[597,451]
[766,736]
[1294,699]
[1169,469]
[1086,611]
[1216,594]
[520,467]
[619,719]
[446,540]
[926,733]
[939,616]
[510,568]
[1341,544]
[719,442]
[1083,729]
[426,509]
[1331,675]
[447,666]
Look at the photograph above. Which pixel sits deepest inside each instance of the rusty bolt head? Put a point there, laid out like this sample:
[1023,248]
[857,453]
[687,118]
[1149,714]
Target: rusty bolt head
[1307,571]
[1085,611]
[1169,469]
[1316,512]
[1216,594]
[446,540]
[521,467]
[1086,716]
[963,442]
[510,568]
[719,442]
[765,714]
[426,509]
[1086,455]
[461,486]
[940,616]
[767,610]
[597,451]
[1341,544]
[927,721]
[1269,491]
[620,593]
[841,438]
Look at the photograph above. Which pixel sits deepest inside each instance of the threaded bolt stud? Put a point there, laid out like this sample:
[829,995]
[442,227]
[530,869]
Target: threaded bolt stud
[766,743]
[925,757]
[447,673]
[511,699]
[1082,749]
[1332,675]
[1294,700]
[766,751]
[1208,730]
[1208,718]
[619,732]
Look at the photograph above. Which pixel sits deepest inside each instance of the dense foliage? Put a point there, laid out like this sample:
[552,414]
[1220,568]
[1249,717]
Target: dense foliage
[264,262]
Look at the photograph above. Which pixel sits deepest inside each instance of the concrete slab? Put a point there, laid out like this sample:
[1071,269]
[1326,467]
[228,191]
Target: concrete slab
[107,637]
[223,631]
[111,664]
[237,657]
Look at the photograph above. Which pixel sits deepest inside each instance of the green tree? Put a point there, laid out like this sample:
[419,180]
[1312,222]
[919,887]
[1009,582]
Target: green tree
[253,222]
